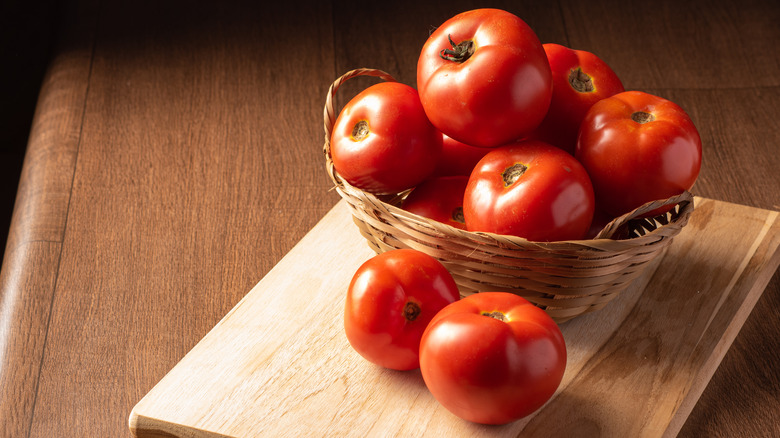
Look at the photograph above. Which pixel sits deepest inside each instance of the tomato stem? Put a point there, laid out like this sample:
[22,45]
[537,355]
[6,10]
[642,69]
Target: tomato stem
[581,82]
[495,315]
[513,173]
[459,52]
[411,311]
[642,117]
[457,215]
[360,130]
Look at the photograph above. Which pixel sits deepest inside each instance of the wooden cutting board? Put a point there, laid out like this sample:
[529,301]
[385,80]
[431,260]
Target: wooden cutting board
[279,364]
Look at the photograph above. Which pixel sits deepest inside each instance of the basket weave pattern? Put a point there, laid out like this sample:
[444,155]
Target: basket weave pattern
[566,278]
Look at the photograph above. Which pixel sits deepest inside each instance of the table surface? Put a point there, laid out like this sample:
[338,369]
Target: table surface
[175,157]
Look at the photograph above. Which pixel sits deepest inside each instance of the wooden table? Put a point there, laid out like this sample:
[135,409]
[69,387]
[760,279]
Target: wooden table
[175,157]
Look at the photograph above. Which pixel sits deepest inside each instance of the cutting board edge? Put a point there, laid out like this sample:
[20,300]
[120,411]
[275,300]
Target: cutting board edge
[710,366]
[142,426]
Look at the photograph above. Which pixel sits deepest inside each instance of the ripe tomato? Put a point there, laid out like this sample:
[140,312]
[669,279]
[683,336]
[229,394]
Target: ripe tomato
[529,189]
[390,301]
[638,148]
[580,79]
[382,141]
[458,158]
[440,199]
[483,78]
[492,357]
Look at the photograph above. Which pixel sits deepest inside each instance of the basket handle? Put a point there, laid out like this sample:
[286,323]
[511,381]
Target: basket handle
[684,199]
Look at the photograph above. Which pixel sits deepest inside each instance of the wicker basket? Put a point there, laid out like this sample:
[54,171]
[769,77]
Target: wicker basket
[567,278]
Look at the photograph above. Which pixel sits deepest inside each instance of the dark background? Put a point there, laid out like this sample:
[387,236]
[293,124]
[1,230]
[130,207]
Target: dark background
[27,31]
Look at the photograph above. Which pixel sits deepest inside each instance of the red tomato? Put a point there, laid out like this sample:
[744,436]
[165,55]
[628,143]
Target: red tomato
[600,220]
[382,141]
[638,148]
[529,189]
[390,301]
[580,79]
[483,78]
[492,357]
[440,199]
[458,158]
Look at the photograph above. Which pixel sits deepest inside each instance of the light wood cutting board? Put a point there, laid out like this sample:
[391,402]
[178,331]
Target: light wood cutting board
[279,364]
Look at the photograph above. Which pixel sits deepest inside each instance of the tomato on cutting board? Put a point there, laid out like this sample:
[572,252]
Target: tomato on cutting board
[390,301]
[492,357]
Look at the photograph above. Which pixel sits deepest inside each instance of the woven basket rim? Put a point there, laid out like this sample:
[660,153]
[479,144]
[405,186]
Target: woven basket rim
[601,242]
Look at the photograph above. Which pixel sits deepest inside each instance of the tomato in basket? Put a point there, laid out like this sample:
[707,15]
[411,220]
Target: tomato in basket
[637,148]
[382,141]
[484,78]
[529,189]
[580,79]
[439,199]
[492,357]
[391,299]
[458,158]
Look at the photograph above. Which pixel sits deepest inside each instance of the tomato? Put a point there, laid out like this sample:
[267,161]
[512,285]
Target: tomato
[529,189]
[483,78]
[458,158]
[638,148]
[382,141]
[580,79]
[440,199]
[492,357]
[600,220]
[390,301]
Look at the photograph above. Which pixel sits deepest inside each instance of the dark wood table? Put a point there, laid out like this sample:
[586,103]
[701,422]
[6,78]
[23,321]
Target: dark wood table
[175,156]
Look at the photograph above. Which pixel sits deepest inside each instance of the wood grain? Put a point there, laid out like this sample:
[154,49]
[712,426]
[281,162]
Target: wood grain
[635,368]
[171,184]
[688,45]
[32,257]
[176,158]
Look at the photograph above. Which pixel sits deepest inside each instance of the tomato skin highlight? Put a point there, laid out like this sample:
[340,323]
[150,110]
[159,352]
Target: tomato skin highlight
[492,371]
[439,199]
[580,79]
[382,141]
[552,200]
[390,301]
[500,93]
[638,148]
